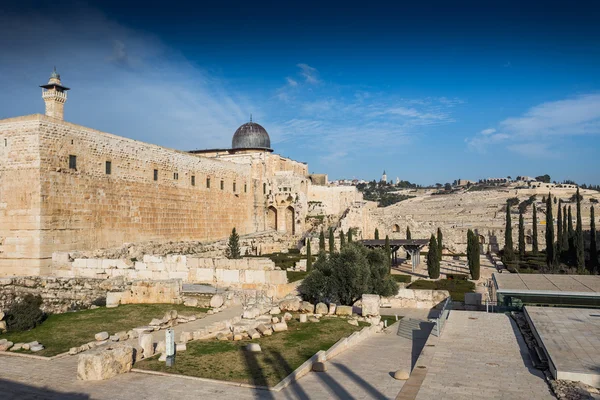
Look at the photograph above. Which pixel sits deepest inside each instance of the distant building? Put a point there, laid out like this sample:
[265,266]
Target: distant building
[525,179]
[384,176]
[463,182]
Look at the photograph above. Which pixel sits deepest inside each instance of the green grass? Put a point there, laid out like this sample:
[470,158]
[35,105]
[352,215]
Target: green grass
[456,288]
[391,319]
[60,332]
[281,354]
[401,278]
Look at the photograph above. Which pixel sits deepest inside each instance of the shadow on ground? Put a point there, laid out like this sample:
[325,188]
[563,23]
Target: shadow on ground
[17,391]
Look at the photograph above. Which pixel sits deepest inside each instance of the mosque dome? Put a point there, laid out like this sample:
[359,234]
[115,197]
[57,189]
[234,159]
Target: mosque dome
[251,136]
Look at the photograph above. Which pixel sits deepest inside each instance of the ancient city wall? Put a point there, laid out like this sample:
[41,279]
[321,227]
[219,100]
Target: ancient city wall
[333,200]
[63,294]
[49,206]
[245,273]
[20,198]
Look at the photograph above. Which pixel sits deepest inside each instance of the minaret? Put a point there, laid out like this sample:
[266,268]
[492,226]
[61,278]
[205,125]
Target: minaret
[55,96]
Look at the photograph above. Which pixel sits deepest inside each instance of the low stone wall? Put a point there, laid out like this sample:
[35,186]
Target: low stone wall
[63,294]
[245,273]
[416,298]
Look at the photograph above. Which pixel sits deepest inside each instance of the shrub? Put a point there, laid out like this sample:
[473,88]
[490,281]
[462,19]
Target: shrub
[457,277]
[402,278]
[25,314]
[294,251]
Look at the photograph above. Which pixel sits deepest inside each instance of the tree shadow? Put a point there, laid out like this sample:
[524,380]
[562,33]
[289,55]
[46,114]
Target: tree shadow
[294,387]
[372,390]
[257,375]
[13,390]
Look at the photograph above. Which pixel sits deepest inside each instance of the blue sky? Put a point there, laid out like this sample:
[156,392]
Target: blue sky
[429,92]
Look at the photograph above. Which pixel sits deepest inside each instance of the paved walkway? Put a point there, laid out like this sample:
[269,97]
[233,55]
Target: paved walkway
[481,355]
[364,372]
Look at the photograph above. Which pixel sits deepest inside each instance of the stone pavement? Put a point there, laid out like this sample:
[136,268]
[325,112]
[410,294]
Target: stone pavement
[363,372]
[481,355]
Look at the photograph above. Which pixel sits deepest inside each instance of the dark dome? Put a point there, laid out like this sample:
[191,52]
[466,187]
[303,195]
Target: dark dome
[251,136]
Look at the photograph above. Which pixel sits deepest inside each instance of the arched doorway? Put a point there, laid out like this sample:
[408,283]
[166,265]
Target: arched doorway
[272,218]
[396,228]
[528,239]
[290,222]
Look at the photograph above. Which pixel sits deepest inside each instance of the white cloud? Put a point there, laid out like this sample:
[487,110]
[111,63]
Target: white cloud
[291,81]
[309,73]
[550,121]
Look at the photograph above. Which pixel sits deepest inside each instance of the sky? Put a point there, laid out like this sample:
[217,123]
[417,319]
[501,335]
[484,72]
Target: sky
[429,92]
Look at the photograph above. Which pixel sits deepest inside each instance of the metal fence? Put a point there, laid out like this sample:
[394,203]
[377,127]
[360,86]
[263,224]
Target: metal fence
[440,321]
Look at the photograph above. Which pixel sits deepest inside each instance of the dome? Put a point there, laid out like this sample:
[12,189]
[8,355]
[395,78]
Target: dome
[251,136]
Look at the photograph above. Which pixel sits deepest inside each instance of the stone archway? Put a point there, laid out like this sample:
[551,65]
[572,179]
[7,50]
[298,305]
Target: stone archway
[272,218]
[528,239]
[396,228]
[290,221]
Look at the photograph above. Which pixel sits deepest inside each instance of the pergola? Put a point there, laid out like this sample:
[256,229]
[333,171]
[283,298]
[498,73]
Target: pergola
[412,247]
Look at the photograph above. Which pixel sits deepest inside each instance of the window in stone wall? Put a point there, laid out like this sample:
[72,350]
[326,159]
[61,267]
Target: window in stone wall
[208,183]
[193,180]
[233,187]
[155,174]
[222,185]
[264,188]
[72,162]
[108,168]
[175,175]
[245,188]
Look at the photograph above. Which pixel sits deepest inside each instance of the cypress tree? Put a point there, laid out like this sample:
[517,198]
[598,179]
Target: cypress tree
[439,243]
[571,234]
[331,241]
[565,234]
[551,259]
[509,253]
[521,236]
[388,251]
[579,249]
[233,246]
[535,248]
[308,256]
[408,233]
[470,250]
[433,260]
[475,273]
[322,242]
[559,228]
[376,234]
[593,244]
[350,235]
[342,239]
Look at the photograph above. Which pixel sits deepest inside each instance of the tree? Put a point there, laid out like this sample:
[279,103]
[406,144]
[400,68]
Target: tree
[342,239]
[439,243]
[559,228]
[521,237]
[579,249]
[593,243]
[233,246]
[408,233]
[535,247]
[349,235]
[447,187]
[322,242]
[308,256]
[543,178]
[388,251]
[470,250]
[433,259]
[473,254]
[345,276]
[551,257]
[565,234]
[331,241]
[376,234]
[571,234]
[509,252]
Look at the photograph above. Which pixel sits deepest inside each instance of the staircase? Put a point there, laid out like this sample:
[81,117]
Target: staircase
[410,328]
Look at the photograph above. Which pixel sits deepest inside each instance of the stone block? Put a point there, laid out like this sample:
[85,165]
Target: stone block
[370,305]
[292,304]
[321,308]
[113,299]
[105,363]
[147,344]
[307,307]
[216,301]
[343,310]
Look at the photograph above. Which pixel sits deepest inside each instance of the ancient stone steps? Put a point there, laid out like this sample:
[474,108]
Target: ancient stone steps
[410,328]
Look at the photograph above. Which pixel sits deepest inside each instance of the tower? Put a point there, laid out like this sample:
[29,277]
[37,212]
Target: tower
[384,176]
[55,96]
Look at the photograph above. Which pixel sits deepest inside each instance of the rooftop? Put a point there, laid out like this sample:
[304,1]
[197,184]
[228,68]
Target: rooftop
[585,285]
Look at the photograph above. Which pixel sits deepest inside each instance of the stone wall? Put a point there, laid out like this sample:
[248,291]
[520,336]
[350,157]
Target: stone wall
[246,273]
[334,200]
[416,298]
[62,294]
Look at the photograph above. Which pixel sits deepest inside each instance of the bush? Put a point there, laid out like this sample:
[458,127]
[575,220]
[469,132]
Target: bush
[457,288]
[457,277]
[294,251]
[402,278]
[25,314]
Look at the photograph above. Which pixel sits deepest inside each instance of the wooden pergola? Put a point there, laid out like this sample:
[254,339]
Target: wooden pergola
[412,247]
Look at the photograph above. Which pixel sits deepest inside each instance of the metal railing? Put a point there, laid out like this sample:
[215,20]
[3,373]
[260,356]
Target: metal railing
[440,321]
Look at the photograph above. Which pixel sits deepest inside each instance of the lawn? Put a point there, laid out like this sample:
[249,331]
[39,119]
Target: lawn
[294,276]
[281,354]
[60,332]
[457,288]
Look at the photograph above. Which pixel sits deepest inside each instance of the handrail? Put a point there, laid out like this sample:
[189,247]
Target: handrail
[441,319]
